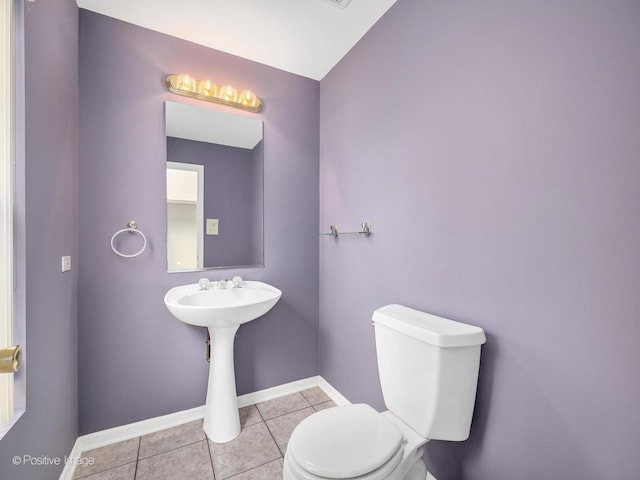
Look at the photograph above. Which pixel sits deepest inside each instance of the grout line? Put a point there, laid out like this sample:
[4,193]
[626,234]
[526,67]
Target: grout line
[314,404]
[135,473]
[108,467]
[269,430]
[268,461]
[260,413]
[213,470]
[292,411]
[287,413]
[305,397]
[177,448]
[253,468]
[85,477]
[172,449]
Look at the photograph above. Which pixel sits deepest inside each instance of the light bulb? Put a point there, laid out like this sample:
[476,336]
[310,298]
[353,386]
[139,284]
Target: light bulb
[207,88]
[185,83]
[247,97]
[228,94]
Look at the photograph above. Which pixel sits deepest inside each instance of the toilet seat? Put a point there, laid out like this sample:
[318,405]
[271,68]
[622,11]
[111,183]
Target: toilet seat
[353,441]
[381,473]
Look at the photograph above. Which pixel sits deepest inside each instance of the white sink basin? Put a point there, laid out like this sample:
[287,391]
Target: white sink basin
[222,311]
[227,307]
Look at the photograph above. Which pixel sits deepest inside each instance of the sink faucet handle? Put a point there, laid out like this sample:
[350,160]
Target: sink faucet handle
[222,284]
[237,281]
[203,283]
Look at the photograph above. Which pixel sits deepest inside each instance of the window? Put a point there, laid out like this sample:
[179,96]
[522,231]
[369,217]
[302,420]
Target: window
[6,202]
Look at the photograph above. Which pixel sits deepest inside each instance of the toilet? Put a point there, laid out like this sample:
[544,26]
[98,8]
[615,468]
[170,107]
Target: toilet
[428,368]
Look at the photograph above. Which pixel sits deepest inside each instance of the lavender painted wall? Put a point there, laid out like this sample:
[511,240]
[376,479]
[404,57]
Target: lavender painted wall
[494,146]
[135,360]
[230,195]
[46,230]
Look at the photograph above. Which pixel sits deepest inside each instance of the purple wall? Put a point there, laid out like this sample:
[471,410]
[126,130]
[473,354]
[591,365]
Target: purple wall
[46,230]
[135,360]
[230,195]
[494,146]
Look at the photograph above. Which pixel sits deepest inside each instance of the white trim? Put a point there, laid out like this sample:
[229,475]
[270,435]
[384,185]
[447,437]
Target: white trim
[430,477]
[277,391]
[7,135]
[137,429]
[69,470]
[293,387]
[333,394]
[145,427]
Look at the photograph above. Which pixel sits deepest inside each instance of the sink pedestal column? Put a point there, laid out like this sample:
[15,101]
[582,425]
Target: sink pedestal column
[221,419]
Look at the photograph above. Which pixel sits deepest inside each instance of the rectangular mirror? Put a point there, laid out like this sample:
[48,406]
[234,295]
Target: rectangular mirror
[215,166]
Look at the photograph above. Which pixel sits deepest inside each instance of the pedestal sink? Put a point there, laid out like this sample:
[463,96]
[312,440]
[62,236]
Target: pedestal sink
[222,311]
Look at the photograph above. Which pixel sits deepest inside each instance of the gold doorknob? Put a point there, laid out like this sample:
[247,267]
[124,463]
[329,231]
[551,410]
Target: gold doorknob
[10,359]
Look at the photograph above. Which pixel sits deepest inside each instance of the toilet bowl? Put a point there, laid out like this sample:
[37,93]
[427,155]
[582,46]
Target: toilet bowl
[428,367]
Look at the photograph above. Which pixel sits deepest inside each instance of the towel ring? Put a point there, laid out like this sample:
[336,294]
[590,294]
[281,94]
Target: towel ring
[132,227]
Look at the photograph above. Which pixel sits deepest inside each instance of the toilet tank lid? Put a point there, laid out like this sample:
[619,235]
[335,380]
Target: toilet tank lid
[427,327]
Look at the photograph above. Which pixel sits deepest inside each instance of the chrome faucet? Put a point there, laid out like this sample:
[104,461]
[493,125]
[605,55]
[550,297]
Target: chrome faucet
[203,284]
[237,281]
[221,285]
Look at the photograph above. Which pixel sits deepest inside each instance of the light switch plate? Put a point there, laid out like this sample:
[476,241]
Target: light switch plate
[212,226]
[66,263]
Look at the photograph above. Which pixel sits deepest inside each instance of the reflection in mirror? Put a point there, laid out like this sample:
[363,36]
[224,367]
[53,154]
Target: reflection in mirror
[185,213]
[214,189]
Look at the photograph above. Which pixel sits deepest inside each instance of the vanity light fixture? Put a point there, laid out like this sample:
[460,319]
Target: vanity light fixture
[183,84]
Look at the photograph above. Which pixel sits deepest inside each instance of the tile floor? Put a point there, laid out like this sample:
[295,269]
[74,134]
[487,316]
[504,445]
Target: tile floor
[184,453]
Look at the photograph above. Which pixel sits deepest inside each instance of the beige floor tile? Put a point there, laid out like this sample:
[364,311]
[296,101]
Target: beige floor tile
[325,405]
[249,416]
[171,438]
[192,462]
[315,396]
[282,405]
[124,472]
[269,471]
[111,456]
[252,448]
[282,427]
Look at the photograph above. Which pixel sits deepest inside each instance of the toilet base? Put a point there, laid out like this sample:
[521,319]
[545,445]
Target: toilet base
[417,472]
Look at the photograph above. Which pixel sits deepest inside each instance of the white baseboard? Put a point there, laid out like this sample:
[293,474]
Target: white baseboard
[145,427]
[278,391]
[331,392]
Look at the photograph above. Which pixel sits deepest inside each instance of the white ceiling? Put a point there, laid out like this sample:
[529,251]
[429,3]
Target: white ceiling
[306,37]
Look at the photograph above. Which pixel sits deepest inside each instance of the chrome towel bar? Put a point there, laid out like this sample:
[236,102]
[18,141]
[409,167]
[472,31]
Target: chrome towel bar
[335,233]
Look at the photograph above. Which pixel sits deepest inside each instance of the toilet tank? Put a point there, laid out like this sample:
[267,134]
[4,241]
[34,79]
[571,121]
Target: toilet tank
[428,367]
